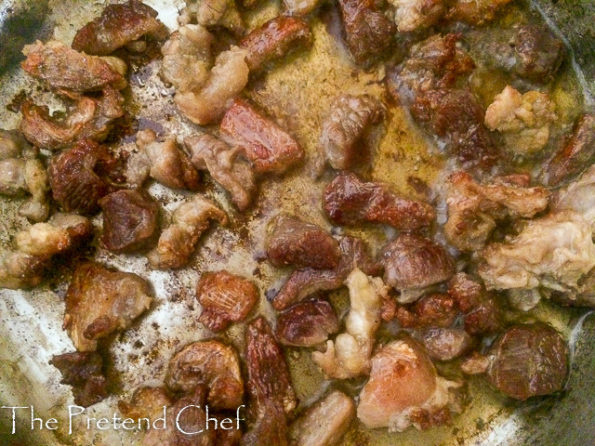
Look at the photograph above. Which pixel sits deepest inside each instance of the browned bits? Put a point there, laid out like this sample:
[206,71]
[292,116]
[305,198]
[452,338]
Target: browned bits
[274,39]
[348,200]
[84,372]
[118,25]
[212,364]
[291,241]
[445,344]
[130,220]
[264,143]
[434,310]
[307,323]
[146,402]
[225,298]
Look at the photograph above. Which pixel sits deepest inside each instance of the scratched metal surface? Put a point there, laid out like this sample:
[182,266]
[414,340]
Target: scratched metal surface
[297,92]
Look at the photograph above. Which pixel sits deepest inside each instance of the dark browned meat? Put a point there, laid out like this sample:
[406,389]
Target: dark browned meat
[84,372]
[304,282]
[118,25]
[146,402]
[291,241]
[274,39]
[434,310]
[87,118]
[575,155]
[63,68]
[345,128]
[75,177]
[130,220]
[348,200]
[100,301]
[264,143]
[445,344]
[539,53]
[269,386]
[529,360]
[225,298]
[368,32]
[466,291]
[412,263]
[306,324]
[212,364]
[226,166]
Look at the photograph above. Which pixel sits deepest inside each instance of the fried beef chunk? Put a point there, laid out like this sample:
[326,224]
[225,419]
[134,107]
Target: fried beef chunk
[404,389]
[212,364]
[474,210]
[291,241]
[225,298]
[146,402]
[368,32]
[268,147]
[578,152]
[84,372]
[412,263]
[349,354]
[269,384]
[211,13]
[178,241]
[348,200]
[528,360]
[433,310]
[100,301]
[75,176]
[346,127]
[207,104]
[445,344]
[87,117]
[63,68]
[306,324]
[304,282]
[274,39]
[411,15]
[325,422]
[476,12]
[522,119]
[225,164]
[538,52]
[119,25]
[554,252]
[130,220]
[168,164]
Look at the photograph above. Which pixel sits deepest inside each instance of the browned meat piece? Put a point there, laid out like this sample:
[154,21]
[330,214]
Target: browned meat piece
[306,324]
[178,241]
[100,301]
[212,13]
[434,310]
[84,372]
[457,117]
[445,344]
[168,164]
[348,200]
[212,364]
[575,155]
[19,270]
[264,143]
[207,104]
[225,298]
[300,7]
[411,15]
[269,386]
[528,360]
[88,118]
[475,364]
[302,283]
[404,389]
[119,25]
[412,263]
[539,53]
[476,12]
[226,166]
[130,220]
[467,292]
[474,210]
[368,32]
[63,68]
[345,129]
[75,176]
[146,402]
[291,241]
[274,39]
[325,422]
